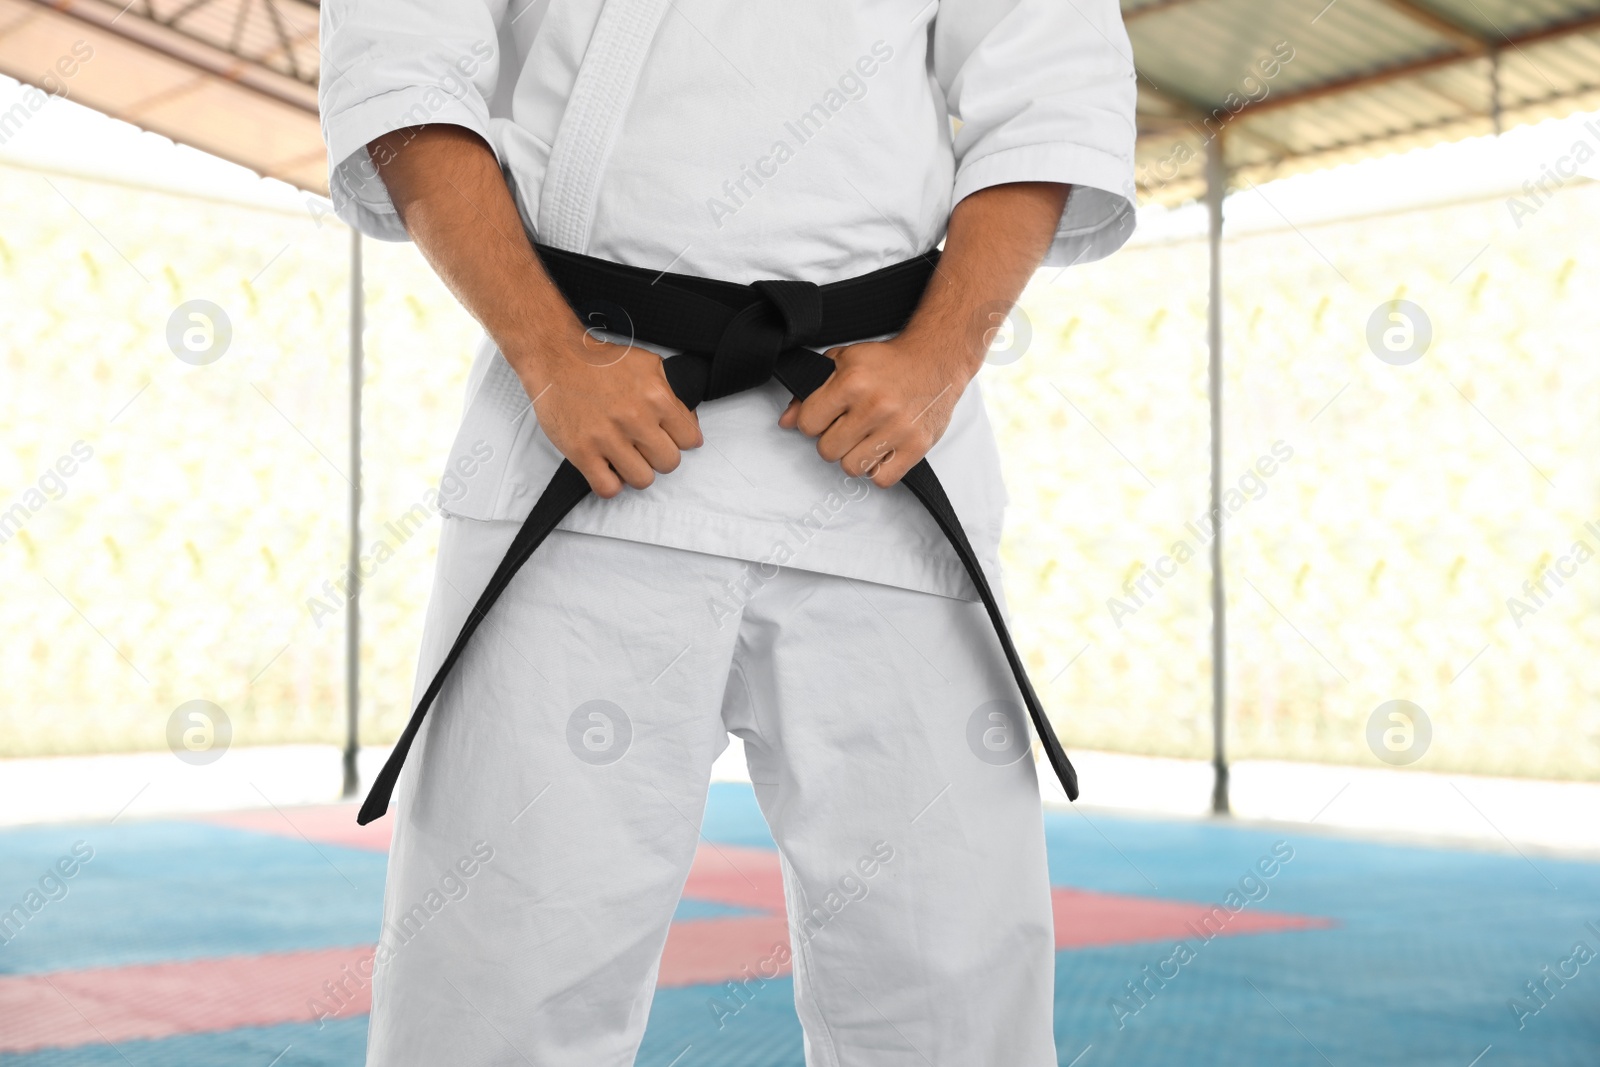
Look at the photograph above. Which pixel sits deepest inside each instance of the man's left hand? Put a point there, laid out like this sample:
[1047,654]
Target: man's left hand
[886,404]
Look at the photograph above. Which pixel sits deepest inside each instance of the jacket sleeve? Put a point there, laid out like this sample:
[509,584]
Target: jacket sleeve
[389,64]
[1044,91]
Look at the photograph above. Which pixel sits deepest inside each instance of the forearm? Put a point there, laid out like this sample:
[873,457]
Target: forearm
[887,403]
[456,206]
[607,408]
[995,241]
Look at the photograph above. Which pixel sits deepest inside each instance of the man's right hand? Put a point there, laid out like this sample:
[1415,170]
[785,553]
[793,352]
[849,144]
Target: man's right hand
[608,409]
[605,407]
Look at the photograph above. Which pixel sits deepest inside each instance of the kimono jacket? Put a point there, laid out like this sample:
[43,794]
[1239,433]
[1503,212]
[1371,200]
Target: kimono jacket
[741,140]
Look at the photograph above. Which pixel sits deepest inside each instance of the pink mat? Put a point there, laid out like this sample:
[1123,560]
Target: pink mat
[330,824]
[71,1008]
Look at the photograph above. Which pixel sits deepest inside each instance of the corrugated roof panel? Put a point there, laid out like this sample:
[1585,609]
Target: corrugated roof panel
[1366,77]
[1205,49]
[1537,71]
[1492,18]
[281,34]
[1467,82]
[171,83]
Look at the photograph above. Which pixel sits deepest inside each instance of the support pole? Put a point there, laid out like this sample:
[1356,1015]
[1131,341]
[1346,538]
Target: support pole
[1496,113]
[352,617]
[1216,189]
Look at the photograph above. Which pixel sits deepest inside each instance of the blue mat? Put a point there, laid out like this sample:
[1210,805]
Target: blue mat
[1430,950]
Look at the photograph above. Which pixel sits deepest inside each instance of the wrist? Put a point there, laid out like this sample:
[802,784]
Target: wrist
[538,345]
[959,349]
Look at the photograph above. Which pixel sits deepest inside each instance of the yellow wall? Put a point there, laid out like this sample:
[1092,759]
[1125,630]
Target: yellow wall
[177,562]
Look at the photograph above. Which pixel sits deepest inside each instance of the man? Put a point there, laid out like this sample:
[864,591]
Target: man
[749,565]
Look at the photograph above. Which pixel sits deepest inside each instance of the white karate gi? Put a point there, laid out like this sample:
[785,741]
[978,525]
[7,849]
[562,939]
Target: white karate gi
[736,139]
[855,703]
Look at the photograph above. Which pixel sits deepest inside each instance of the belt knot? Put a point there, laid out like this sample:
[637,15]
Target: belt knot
[786,314]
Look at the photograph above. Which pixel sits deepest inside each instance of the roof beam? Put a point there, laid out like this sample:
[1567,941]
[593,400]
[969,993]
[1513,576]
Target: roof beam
[1465,38]
[1411,68]
[1184,107]
[1443,123]
[205,58]
[1154,8]
[1187,112]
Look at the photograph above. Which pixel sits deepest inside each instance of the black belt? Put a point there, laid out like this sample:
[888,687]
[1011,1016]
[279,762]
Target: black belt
[732,338]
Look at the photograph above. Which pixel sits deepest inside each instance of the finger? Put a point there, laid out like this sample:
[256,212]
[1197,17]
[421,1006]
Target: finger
[892,468]
[683,427]
[847,432]
[631,467]
[601,478]
[874,458]
[658,449]
[822,407]
[674,415]
[790,415]
[826,403]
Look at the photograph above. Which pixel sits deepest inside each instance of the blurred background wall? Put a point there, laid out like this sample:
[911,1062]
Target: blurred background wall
[190,553]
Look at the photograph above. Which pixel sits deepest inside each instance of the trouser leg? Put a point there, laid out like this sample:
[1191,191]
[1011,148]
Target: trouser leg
[549,815]
[905,804]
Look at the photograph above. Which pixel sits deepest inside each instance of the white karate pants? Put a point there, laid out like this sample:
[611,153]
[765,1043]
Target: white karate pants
[539,851]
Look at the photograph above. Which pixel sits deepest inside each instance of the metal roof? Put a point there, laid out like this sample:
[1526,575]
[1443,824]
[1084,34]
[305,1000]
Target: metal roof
[1363,78]
[237,78]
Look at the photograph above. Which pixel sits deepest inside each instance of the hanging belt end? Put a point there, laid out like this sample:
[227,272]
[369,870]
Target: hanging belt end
[373,808]
[1065,772]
